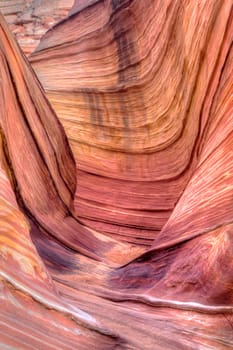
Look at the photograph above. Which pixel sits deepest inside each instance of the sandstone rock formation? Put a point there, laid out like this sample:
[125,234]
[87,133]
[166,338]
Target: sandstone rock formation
[30,19]
[128,244]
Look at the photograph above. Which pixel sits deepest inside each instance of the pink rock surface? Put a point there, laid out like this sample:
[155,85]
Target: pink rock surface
[128,243]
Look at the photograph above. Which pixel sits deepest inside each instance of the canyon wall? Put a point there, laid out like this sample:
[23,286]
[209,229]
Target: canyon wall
[116,175]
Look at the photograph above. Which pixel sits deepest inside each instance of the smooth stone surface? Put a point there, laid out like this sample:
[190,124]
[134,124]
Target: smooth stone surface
[128,243]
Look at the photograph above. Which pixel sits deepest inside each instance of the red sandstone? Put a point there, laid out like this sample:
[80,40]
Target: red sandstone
[116,175]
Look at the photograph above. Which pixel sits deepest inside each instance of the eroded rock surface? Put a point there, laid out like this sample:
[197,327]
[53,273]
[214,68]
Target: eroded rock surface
[30,19]
[130,92]
[128,243]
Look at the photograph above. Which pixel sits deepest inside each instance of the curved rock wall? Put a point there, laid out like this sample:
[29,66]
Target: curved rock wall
[128,244]
[130,92]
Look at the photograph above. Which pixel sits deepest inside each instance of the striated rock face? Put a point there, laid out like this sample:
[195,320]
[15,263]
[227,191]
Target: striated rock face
[30,19]
[130,92]
[116,231]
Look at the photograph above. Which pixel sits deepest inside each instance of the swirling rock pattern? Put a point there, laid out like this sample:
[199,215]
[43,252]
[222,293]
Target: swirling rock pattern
[128,244]
[30,19]
[130,93]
